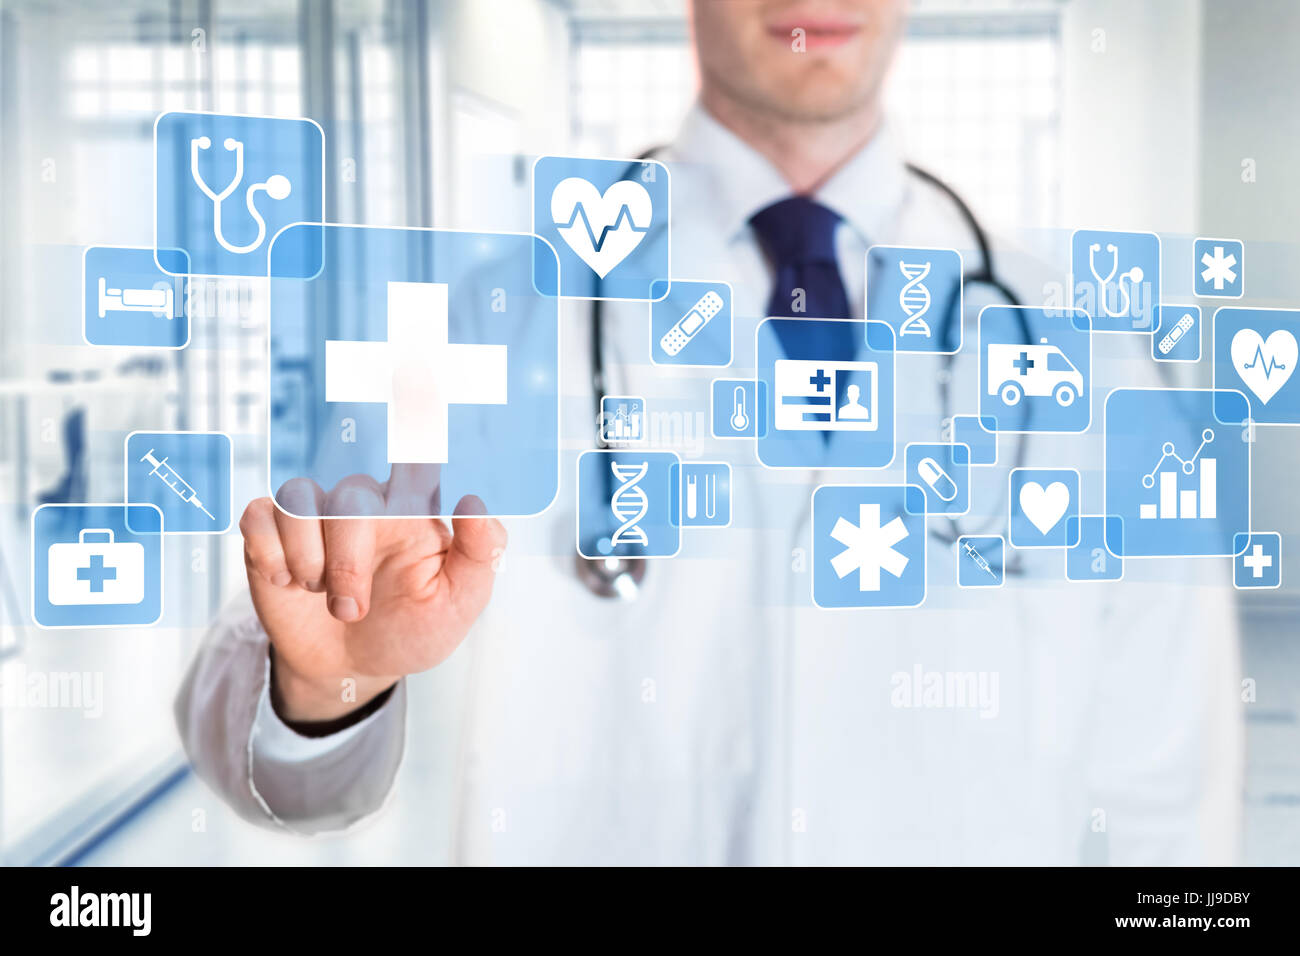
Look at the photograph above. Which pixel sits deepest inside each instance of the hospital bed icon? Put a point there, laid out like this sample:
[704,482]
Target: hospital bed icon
[160,299]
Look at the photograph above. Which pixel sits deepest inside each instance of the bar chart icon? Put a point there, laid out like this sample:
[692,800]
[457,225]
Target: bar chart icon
[1175,501]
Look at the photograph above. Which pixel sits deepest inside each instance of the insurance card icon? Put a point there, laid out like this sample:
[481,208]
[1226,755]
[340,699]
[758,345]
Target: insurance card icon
[808,395]
[828,389]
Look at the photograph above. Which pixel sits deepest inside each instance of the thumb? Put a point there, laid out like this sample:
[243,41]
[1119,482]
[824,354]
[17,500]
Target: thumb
[476,545]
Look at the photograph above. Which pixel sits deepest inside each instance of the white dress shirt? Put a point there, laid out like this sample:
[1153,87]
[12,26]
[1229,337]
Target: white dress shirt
[720,717]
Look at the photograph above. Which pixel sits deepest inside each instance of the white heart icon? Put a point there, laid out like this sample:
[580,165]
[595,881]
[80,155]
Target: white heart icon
[1264,365]
[1044,506]
[602,230]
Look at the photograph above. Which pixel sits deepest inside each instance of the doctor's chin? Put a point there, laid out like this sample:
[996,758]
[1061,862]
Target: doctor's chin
[651,433]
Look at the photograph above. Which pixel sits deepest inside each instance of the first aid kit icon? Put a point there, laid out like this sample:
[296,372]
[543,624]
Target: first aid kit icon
[96,570]
[97,565]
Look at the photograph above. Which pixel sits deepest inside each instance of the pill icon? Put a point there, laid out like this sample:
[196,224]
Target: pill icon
[938,479]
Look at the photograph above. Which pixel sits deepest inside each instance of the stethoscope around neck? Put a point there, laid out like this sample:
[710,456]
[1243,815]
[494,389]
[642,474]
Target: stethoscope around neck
[623,577]
[276,186]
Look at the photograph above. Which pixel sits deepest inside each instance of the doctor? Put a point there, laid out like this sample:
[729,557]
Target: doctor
[718,717]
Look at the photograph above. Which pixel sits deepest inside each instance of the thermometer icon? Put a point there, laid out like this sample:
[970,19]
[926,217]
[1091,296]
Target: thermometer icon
[739,418]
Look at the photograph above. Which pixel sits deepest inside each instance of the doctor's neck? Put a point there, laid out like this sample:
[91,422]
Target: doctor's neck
[806,151]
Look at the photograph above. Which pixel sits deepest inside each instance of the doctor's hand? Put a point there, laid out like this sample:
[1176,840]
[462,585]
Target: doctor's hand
[372,599]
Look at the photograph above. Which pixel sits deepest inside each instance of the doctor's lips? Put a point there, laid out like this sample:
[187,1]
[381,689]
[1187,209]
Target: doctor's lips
[819,32]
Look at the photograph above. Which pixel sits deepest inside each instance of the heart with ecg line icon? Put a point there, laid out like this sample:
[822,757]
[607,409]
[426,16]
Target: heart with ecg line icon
[1264,365]
[602,229]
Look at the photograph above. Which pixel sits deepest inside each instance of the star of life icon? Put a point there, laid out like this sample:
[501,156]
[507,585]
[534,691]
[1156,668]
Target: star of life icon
[807,395]
[869,547]
[1220,268]
[629,503]
[914,298]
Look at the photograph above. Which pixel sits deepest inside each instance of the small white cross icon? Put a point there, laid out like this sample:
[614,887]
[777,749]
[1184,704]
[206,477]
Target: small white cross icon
[1257,561]
[417,373]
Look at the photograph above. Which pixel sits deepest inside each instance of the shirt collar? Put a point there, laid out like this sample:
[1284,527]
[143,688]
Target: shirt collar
[866,191]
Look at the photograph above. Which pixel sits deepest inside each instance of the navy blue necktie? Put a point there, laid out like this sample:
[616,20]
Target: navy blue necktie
[798,236]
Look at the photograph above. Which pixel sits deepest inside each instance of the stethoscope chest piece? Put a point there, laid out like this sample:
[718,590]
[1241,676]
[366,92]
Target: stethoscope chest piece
[612,577]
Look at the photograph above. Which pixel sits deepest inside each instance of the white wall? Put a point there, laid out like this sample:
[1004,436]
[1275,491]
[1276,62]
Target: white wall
[1251,52]
[1130,113]
[504,86]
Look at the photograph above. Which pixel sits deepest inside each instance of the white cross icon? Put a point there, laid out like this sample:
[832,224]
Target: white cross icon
[417,373]
[1258,561]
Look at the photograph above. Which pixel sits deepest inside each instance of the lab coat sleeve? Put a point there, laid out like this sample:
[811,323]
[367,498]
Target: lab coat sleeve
[268,773]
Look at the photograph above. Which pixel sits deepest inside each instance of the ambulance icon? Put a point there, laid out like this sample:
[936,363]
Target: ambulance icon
[1038,371]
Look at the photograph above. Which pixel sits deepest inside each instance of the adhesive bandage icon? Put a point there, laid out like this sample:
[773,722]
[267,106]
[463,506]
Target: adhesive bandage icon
[1177,332]
[629,503]
[676,338]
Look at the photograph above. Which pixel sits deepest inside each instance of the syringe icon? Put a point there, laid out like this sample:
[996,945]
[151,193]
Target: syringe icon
[175,482]
[978,558]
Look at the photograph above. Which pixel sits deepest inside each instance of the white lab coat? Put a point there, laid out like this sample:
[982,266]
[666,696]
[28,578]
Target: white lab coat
[720,717]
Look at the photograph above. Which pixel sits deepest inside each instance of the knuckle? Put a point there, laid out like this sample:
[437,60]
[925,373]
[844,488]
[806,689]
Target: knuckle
[305,564]
[260,557]
[346,575]
[258,510]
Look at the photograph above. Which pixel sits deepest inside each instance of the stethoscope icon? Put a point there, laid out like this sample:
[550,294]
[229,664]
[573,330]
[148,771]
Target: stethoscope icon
[1125,295]
[277,187]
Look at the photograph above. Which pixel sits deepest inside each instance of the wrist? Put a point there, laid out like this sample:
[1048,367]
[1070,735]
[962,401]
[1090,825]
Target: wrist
[298,698]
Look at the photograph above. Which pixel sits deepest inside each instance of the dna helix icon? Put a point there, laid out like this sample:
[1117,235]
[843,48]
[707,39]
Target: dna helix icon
[629,503]
[914,298]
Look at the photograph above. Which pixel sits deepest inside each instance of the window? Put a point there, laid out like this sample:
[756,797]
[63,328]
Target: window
[85,717]
[977,101]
